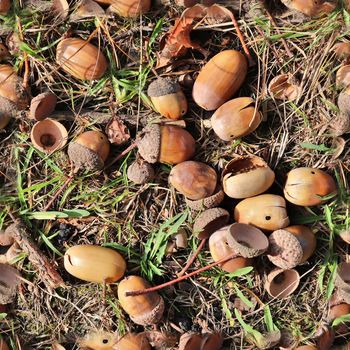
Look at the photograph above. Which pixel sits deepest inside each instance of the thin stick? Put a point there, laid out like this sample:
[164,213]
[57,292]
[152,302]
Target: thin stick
[25,57]
[179,279]
[59,191]
[121,155]
[192,258]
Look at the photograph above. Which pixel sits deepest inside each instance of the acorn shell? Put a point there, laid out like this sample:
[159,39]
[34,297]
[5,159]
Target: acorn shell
[236,118]
[284,87]
[130,8]
[140,172]
[306,186]
[81,59]
[209,202]
[282,283]
[42,105]
[195,180]
[220,79]
[247,177]
[132,341]
[266,211]
[93,263]
[144,309]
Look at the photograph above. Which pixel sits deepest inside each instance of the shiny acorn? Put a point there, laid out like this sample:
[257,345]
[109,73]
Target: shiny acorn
[93,263]
[236,118]
[98,340]
[165,144]
[144,309]
[81,59]
[168,98]
[132,341]
[89,150]
[307,186]
[5,6]
[130,8]
[311,8]
[195,180]
[247,176]
[266,211]
[220,79]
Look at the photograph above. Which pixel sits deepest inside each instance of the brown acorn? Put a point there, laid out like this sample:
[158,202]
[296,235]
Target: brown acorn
[8,109]
[284,87]
[219,248]
[4,53]
[132,341]
[98,340]
[190,341]
[190,3]
[344,102]
[130,8]
[140,172]
[311,8]
[306,347]
[220,79]
[342,78]
[266,211]
[144,309]
[89,150]
[87,9]
[291,246]
[48,135]
[168,98]
[342,279]
[195,180]
[246,177]
[282,283]
[212,341]
[236,118]
[43,105]
[307,186]
[165,144]
[342,50]
[81,59]
[209,202]
[5,6]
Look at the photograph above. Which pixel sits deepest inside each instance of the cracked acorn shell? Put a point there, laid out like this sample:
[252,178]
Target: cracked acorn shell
[220,79]
[219,248]
[140,172]
[132,341]
[81,59]
[89,150]
[236,118]
[284,87]
[266,211]
[306,186]
[168,98]
[144,309]
[282,283]
[94,263]
[165,144]
[195,180]
[130,8]
[311,8]
[245,177]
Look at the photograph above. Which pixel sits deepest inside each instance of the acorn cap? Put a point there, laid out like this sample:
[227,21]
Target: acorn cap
[342,279]
[151,317]
[9,280]
[247,240]
[7,108]
[190,341]
[148,143]
[163,86]
[285,251]
[84,158]
[212,341]
[282,283]
[42,105]
[140,172]
[210,221]
[209,202]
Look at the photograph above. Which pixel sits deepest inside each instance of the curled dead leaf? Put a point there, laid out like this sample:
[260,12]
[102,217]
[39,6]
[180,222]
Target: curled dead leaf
[9,281]
[117,132]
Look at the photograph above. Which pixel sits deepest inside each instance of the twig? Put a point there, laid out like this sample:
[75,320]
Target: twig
[19,231]
[179,279]
[192,258]
[59,191]
[25,57]
[121,155]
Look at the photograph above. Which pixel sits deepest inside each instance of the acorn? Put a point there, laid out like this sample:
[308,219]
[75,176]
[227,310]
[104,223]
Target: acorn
[311,8]
[212,341]
[130,8]
[3,345]
[168,98]
[236,118]
[144,309]
[42,105]
[342,79]
[220,79]
[190,341]
[209,202]
[282,283]
[291,246]
[4,53]
[165,144]
[342,50]
[89,150]
[48,135]
[98,340]
[140,172]
[5,6]
[307,186]
[195,180]
[266,211]
[210,221]
[345,235]
[284,87]
[87,9]
[8,109]
[246,177]
[132,341]
[344,102]
[93,263]
[219,248]
[81,59]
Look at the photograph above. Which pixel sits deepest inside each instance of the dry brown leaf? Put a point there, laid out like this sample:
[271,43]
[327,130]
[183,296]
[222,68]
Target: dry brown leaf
[9,280]
[117,132]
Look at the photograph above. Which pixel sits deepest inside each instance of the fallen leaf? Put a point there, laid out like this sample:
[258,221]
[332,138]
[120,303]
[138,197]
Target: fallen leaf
[117,132]
[9,280]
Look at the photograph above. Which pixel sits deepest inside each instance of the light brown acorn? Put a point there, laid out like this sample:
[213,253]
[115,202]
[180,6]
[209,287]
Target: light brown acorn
[130,8]
[5,6]
[98,340]
[195,180]
[311,8]
[342,78]
[144,309]
[165,144]
[236,118]
[168,98]
[89,150]
[307,186]
[246,176]
[220,79]
[81,59]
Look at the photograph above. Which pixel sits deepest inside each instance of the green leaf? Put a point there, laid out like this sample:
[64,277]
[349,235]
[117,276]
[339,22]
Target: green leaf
[52,215]
[3,316]
[241,272]
[227,311]
[331,285]
[271,327]
[247,328]
[76,213]
[243,298]
[321,148]
[341,319]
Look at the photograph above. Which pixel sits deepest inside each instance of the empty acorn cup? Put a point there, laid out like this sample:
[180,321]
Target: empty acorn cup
[246,240]
[208,202]
[291,246]
[247,176]
[284,87]
[342,279]
[42,105]
[49,135]
[282,283]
